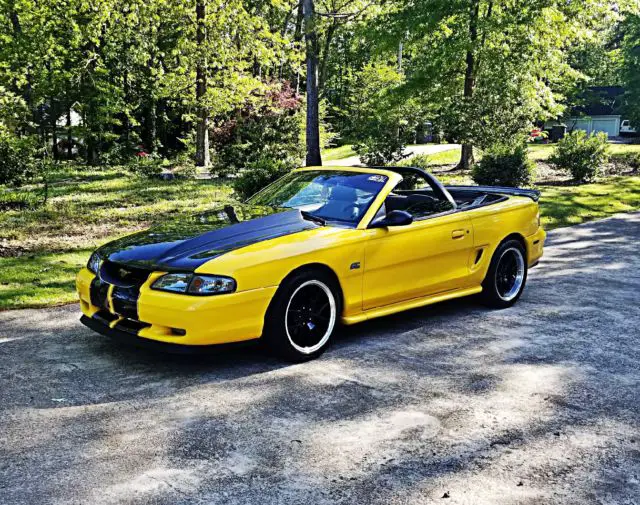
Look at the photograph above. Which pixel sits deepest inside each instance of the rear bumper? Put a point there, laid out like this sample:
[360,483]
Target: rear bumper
[181,319]
[535,246]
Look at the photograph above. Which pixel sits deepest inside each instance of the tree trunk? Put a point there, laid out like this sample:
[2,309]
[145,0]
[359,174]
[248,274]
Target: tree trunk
[202,127]
[151,129]
[466,156]
[53,117]
[313,116]
[69,134]
[325,54]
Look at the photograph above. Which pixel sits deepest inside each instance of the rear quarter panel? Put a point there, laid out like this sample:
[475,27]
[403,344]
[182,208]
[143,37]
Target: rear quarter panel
[493,223]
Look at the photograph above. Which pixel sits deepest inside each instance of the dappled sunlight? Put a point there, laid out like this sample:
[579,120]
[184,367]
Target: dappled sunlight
[527,404]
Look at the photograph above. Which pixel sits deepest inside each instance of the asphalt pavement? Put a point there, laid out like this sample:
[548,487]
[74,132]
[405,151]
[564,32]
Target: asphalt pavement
[451,404]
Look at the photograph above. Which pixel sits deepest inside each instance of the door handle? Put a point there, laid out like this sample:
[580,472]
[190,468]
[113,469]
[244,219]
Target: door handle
[457,234]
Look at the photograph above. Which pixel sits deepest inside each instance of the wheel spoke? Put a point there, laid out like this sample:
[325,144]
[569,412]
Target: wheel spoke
[310,316]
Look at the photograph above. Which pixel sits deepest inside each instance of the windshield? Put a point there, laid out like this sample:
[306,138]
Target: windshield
[331,195]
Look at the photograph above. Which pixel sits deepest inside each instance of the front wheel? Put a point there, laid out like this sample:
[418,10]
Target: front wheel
[303,315]
[506,277]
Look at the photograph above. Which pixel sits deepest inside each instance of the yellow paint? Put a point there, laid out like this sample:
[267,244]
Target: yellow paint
[431,260]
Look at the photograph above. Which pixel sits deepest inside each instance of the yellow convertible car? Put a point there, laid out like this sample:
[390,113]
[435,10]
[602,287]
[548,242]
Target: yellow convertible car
[319,247]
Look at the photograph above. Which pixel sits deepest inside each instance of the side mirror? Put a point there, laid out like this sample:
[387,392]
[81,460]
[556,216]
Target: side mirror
[393,218]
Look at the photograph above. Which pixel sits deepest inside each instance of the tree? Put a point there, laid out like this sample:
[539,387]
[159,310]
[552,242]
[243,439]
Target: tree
[487,69]
[313,105]
[631,67]
[202,128]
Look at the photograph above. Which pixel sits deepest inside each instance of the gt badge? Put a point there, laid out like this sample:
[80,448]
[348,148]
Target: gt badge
[355,266]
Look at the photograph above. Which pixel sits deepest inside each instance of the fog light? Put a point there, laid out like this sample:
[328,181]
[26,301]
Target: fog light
[178,332]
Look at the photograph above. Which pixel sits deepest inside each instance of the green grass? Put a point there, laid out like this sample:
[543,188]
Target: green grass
[450,157]
[41,250]
[39,280]
[623,148]
[569,205]
[540,152]
[338,153]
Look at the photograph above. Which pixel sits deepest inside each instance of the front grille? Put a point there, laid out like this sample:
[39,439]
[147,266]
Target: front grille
[123,276]
[126,282]
[125,301]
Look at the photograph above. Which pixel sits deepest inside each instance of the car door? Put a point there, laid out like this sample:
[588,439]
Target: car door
[426,257]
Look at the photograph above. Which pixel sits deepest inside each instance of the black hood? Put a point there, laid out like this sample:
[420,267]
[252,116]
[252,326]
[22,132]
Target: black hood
[186,243]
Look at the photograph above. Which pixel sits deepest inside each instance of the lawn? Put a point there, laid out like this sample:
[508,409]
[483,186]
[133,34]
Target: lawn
[337,153]
[41,250]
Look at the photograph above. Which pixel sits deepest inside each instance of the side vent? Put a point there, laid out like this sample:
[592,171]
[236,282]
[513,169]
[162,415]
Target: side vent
[479,256]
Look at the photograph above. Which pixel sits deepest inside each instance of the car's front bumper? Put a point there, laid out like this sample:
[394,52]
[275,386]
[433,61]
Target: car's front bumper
[180,319]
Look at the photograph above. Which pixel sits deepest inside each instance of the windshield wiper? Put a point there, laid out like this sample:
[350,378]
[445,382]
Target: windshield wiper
[310,217]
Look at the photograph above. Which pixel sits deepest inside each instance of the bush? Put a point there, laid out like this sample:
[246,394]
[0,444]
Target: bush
[259,174]
[629,160]
[422,161]
[146,166]
[505,165]
[581,154]
[380,148]
[17,160]
[185,171]
[272,131]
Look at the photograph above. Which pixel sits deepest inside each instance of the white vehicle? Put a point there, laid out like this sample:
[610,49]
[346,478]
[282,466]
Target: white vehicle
[626,128]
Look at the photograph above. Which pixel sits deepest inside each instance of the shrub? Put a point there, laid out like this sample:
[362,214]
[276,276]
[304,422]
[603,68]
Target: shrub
[17,160]
[259,174]
[505,165]
[380,148]
[185,171]
[422,161]
[630,160]
[273,130]
[581,154]
[149,167]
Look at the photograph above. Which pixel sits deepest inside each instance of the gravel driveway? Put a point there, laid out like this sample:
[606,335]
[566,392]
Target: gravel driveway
[451,404]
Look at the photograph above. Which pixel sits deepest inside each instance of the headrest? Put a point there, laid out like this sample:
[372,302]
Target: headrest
[343,194]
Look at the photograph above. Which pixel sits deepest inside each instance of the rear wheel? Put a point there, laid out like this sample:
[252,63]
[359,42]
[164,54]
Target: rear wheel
[506,277]
[303,315]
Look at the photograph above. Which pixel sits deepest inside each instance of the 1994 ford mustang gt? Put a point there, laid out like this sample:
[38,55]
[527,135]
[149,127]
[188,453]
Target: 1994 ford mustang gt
[318,247]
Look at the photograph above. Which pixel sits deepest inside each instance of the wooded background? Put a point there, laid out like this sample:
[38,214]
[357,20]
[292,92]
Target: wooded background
[225,83]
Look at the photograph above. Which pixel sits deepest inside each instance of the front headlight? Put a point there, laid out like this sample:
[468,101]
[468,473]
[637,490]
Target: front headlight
[94,263]
[194,284]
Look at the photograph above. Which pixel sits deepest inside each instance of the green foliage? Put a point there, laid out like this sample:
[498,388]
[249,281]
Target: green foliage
[148,167]
[422,161]
[258,174]
[271,129]
[631,66]
[505,165]
[17,159]
[380,124]
[127,70]
[581,154]
[380,147]
[628,160]
[484,70]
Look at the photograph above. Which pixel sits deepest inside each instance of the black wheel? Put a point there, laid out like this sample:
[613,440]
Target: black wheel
[303,316]
[506,277]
